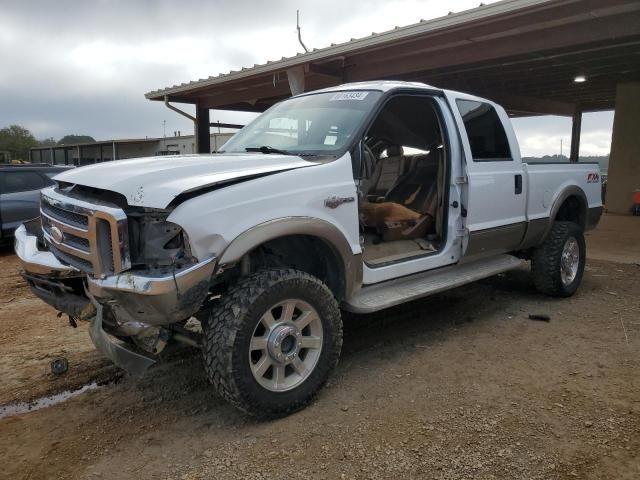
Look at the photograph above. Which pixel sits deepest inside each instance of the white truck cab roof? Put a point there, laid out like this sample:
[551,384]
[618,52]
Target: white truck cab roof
[389,85]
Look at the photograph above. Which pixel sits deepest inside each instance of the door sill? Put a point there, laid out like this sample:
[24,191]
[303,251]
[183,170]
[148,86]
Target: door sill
[400,290]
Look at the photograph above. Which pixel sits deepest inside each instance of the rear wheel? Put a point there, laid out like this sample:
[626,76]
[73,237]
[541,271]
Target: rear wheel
[272,342]
[557,265]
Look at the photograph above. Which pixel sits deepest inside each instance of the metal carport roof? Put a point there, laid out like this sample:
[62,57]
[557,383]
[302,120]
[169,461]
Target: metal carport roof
[522,53]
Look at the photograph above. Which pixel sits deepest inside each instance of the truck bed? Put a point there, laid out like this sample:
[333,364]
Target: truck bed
[545,181]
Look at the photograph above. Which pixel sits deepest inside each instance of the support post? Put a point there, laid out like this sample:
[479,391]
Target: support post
[295,76]
[101,156]
[576,127]
[202,130]
[53,156]
[624,161]
[66,156]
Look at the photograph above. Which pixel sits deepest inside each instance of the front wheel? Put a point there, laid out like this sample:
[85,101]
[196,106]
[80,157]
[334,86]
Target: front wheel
[557,265]
[273,340]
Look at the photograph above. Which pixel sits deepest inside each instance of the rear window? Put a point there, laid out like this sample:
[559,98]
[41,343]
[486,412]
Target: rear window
[487,138]
[13,182]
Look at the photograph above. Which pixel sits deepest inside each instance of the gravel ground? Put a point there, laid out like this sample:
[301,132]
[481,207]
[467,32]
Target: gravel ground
[460,385]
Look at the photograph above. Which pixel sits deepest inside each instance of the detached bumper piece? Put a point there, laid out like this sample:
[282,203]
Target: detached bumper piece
[125,358]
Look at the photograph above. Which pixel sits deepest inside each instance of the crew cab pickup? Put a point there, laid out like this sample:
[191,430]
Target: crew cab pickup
[352,198]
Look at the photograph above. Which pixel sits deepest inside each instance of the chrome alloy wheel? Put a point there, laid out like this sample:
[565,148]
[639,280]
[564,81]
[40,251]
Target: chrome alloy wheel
[285,345]
[569,261]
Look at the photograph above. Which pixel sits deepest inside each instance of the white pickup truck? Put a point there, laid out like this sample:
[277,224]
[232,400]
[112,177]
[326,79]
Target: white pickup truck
[356,198]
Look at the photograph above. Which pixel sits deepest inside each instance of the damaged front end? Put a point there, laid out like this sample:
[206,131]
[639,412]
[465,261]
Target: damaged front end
[127,270]
[166,283]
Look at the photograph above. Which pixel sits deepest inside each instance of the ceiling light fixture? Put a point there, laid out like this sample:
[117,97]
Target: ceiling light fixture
[580,79]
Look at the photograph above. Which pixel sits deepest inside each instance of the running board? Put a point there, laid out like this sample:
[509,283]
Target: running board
[394,292]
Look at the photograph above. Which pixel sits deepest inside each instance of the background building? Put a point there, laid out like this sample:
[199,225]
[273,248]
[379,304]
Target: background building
[107,150]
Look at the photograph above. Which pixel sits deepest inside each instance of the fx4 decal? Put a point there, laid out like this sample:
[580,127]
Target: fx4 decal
[593,178]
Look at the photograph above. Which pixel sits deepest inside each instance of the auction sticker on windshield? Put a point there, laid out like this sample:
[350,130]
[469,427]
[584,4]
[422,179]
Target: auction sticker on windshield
[349,96]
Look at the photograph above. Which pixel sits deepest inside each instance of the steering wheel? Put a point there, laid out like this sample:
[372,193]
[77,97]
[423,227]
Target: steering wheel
[369,161]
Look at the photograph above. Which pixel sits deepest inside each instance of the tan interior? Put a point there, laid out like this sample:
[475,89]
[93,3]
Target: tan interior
[400,207]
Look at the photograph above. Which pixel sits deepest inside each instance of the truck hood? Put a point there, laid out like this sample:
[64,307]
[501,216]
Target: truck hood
[154,182]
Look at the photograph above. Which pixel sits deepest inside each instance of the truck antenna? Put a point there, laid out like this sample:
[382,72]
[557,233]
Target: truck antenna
[299,34]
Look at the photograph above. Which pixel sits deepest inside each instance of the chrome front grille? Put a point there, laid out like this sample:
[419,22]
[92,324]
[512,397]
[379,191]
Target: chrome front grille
[91,237]
[65,216]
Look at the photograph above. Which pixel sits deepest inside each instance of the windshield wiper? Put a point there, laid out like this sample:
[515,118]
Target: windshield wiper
[267,149]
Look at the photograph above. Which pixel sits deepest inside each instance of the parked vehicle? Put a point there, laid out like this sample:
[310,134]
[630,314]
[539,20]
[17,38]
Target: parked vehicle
[20,187]
[357,197]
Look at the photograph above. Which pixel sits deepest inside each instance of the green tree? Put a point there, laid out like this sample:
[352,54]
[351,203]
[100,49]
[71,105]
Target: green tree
[72,139]
[17,140]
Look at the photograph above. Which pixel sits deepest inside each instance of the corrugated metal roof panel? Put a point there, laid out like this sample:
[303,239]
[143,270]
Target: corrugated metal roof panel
[375,39]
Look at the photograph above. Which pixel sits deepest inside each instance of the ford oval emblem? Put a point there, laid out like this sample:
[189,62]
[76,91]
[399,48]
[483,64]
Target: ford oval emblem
[56,235]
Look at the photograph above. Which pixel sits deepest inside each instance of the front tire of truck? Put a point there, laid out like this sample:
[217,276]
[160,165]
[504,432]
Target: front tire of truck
[558,264]
[272,342]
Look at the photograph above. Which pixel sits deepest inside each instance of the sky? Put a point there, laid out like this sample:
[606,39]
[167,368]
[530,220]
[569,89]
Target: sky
[83,67]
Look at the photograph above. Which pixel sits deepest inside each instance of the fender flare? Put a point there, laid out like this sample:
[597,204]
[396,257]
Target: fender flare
[281,227]
[569,191]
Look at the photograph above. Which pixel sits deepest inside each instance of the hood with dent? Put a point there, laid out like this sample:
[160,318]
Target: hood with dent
[154,182]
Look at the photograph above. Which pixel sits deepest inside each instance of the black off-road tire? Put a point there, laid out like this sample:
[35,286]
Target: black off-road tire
[546,260]
[229,329]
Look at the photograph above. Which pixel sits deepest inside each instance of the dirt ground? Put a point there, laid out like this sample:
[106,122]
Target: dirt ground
[460,385]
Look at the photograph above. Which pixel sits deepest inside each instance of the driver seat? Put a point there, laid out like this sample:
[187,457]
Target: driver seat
[387,171]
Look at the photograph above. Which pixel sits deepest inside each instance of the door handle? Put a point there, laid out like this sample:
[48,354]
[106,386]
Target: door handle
[518,184]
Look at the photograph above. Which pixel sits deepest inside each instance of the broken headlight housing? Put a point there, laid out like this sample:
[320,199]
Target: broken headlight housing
[155,242]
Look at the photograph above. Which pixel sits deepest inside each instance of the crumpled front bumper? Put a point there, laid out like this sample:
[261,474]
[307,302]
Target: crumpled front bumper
[136,300]
[141,303]
[142,298]
[134,297]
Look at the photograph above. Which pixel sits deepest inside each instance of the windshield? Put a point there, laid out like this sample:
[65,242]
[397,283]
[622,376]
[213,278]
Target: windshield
[318,124]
